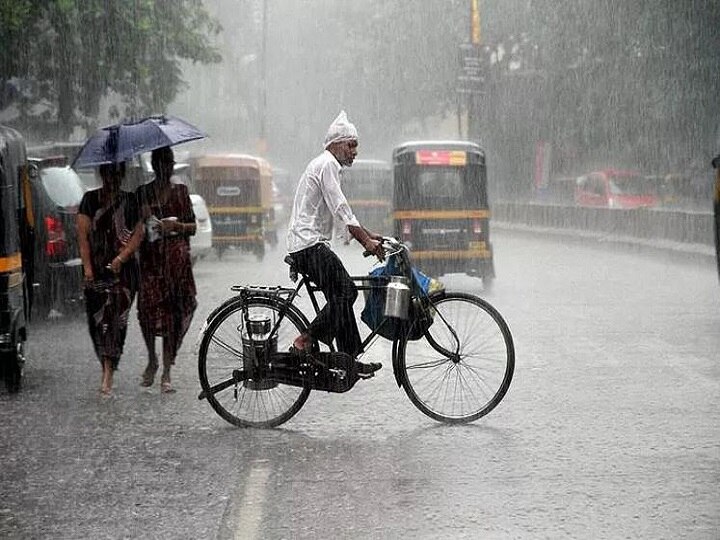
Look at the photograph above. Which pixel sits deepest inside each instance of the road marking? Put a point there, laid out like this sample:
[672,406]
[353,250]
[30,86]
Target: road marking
[249,509]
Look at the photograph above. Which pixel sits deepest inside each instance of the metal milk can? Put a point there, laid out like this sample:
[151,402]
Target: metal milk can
[397,297]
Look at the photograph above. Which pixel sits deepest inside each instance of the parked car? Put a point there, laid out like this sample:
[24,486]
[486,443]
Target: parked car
[56,194]
[615,188]
[201,241]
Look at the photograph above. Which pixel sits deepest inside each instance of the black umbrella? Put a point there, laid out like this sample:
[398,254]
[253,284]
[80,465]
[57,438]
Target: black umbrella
[121,142]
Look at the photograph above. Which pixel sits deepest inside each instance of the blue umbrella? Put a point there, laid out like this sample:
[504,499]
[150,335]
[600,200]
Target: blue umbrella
[121,142]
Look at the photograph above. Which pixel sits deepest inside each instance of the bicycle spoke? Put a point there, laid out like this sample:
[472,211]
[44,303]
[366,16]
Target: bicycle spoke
[227,347]
[430,364]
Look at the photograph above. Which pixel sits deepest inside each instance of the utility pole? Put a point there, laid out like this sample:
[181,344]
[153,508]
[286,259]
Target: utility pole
[475,35]
[473,127]
[262,139]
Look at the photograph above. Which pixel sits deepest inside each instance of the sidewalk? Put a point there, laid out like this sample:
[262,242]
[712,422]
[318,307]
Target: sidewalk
[696,251]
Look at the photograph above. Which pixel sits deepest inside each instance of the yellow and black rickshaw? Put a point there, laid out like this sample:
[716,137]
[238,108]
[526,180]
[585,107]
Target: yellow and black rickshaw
[716,209]
[367,185]
[237,189]
[16,256]
[440,207]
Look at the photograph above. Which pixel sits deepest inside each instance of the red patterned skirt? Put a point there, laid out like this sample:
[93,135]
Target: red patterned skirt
[166,302]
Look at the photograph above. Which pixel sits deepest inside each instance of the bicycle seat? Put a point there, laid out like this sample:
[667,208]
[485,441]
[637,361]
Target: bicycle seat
[290,261]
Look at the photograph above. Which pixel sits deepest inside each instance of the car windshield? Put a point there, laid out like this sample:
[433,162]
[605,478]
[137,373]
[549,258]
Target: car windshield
[62,185]
[629,185]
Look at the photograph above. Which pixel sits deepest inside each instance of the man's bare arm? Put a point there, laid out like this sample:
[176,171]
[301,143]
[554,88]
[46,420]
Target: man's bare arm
[367,240]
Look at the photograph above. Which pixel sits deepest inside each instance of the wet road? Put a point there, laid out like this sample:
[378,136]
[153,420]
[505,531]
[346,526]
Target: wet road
[611,427]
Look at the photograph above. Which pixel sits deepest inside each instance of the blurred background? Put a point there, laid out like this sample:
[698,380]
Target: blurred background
[549,90]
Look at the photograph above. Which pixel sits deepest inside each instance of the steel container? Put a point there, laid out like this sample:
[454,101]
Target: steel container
[397,298]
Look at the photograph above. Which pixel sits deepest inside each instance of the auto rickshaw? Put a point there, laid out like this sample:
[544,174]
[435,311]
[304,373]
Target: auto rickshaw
[16,256]
[441,207]
[367,185]
[716,209]
[237,189]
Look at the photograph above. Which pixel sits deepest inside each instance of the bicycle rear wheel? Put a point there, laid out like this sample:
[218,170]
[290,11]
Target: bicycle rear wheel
[462,368]
[258,403]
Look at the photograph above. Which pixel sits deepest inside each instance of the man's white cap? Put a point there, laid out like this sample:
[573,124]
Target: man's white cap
[340,130]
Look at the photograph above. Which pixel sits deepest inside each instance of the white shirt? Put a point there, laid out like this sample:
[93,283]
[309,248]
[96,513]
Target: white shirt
[318,202]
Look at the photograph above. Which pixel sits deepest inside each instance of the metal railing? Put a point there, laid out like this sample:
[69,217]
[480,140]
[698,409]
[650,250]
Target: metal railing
[642,223]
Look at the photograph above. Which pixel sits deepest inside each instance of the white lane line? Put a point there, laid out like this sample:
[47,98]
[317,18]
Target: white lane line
[250,508]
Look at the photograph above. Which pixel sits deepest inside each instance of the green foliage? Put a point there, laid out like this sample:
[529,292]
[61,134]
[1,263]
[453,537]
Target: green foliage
[629,84]
[69,54]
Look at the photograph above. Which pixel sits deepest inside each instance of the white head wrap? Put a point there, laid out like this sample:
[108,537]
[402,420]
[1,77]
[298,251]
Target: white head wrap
[340,130]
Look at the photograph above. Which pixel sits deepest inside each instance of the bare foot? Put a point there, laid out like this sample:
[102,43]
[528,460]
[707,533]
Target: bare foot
[106,387]
[148,376]
[107,379]
[165,384]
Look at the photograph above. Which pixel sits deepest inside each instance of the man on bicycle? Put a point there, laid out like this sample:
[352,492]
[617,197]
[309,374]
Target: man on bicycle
[319,201]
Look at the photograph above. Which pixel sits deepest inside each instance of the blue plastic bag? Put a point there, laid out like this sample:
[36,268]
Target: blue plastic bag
[372,313]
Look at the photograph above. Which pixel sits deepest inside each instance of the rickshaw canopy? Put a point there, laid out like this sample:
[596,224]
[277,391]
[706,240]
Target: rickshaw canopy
[13,180]
[232,170]
[439,174]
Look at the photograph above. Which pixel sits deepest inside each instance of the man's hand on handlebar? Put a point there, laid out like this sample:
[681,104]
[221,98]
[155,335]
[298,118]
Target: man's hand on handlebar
[370,241]
[374,247]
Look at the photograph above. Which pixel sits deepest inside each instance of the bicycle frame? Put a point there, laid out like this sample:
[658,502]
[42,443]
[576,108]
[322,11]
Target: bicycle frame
[366,283]
[312,290]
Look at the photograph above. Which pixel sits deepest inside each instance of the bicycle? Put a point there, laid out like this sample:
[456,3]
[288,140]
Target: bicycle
[453,353]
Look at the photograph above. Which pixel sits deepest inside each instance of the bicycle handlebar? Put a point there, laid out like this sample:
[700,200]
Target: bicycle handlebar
[391,245]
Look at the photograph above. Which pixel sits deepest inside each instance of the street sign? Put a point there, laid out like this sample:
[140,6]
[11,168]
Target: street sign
[471,76]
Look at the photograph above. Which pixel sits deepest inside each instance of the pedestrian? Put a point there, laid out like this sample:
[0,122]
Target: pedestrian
[109,232]
[166,301]
[319,202]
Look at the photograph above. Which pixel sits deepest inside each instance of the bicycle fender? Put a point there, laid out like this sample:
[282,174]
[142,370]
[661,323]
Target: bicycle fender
[218,309]
[214,313]
[399,377]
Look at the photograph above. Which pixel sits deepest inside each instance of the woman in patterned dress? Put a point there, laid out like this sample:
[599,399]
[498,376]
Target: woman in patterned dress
[166,302]
[109,233]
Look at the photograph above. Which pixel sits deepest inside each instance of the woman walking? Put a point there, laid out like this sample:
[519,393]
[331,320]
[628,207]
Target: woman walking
[109,233]
[166,302]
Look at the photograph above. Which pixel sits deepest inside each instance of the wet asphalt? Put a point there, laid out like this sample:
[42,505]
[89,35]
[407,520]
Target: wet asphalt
[611,427]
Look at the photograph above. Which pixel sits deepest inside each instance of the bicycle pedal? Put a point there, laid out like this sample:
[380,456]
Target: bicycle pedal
[365,375]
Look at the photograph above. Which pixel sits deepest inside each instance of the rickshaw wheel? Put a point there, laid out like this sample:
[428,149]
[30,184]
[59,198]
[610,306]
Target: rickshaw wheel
[14,369]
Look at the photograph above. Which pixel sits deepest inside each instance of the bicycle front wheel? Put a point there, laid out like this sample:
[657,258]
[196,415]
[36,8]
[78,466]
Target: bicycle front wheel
[462,367]
[258,403]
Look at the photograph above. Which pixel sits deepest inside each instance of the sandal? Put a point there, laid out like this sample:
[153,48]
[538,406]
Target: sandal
[148,376]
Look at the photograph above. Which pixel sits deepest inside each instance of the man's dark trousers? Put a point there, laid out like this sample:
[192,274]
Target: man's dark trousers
[336,319]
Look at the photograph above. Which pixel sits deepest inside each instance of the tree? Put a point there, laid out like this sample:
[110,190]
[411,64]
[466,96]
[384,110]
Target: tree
[61,57]
[630,84]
